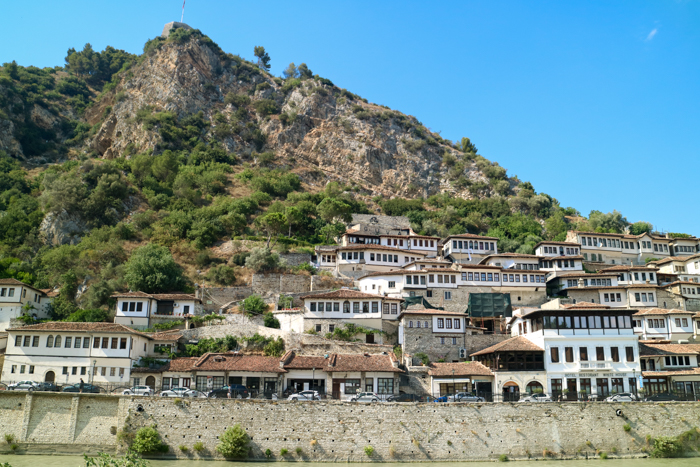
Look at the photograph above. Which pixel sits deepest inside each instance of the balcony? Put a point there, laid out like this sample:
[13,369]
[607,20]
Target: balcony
[595,366]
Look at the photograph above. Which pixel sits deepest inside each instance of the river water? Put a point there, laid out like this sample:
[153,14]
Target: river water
[70,461]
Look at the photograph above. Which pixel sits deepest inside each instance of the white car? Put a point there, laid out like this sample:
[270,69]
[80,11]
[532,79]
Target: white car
[365,397]
[138,391]
[194,393]
[23,386]
[621,397]
[536,397]
[175,392]
[465,397]
[305,396]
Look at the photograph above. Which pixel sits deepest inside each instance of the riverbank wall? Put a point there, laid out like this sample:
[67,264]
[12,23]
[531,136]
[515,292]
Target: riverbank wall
[344,432]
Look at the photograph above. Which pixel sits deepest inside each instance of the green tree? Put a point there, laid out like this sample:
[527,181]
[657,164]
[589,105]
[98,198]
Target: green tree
[270,321]
[331,209]
[304,72]
[222,275]
[272,224]
[611,222]
[555,225]
[262,260]
[638,228]
[152,269]
[467,146]
[263,57]
[234,443]
[331,231]
[64,305]
[254,305]
[291,71]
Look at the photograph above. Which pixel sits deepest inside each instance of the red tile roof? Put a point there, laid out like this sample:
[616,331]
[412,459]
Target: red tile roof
[382,248]
[347,293]
[648,349]
[157,296]
[303,362]
[468,235]
[582,305]
[514,344]
[662,311]
[558,243]
[460,369]
[230,361]
[621,267]
[596,234]
[430,311]
[587,274]
[180,364]
[10,281]
[684,372]
[366,362]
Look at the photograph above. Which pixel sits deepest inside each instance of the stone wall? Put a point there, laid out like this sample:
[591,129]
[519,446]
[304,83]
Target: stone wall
[265,284]
[214,298]
[460,297]
[424,340]
[327,282]
[330,431]
[295,259]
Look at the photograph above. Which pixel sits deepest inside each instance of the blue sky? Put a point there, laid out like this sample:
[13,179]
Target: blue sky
[597,103]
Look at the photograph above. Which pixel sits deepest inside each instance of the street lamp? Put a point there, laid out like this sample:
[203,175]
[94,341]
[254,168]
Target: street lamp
[94,362]
[454,388]
[313,378]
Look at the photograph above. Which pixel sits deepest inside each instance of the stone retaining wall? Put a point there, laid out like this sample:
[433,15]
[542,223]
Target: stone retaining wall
[330,431]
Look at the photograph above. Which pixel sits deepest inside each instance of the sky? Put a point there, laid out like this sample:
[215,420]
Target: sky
[597,103]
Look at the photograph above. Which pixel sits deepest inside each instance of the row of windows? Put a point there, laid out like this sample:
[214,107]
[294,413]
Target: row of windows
[328,258]
[613,297]
[69,341]
[583,354]
[690,290]
[526,266]
[602,385]
[364,240]
[132,306]
[615,243]
[418,242]
[533,278]
[357,307]
[448,323]
[580,322]
[643,297]
[593,282]
[684,249]
[473,245]
[636,276]
[553,250]
[567,263]
[22,369]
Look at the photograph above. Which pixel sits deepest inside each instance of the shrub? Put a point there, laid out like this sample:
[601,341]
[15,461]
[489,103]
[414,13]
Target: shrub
[14,446]
[222,275]
[503,458]
[274,348]
[266,107]
[147,440]
[262,260]
[183,448]
[238,100]
[152,268]
[270,321]
[268,453]
[254,305]
[284,452]
[234,443]
[198,446]
[425,360]
[603,455]
[369,450]
[627,427]
[667,446]
[299,451]
[9,438]
[130,459]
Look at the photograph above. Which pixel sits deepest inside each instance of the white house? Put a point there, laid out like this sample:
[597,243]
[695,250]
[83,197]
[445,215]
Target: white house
[18,298]
[468,248]
[139,309]
[589,351]
[685,246]
[664,324]
[65,353]
[670,367]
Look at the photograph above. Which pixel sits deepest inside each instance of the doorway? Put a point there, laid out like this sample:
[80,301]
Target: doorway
[50,377]
[151,382]
[369,339]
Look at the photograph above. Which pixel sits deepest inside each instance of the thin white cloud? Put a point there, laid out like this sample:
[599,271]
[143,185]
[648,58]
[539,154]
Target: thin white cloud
[652,34]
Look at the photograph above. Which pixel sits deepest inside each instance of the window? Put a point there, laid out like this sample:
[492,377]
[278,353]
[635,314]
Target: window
[554,354]
[464,276]
[35,341]
[583,354]
[318,328]
[394,309]
[346,307]
[78,341]
[392,284]
[75,370]
[429,293]
[410,324]
[21,367]
[417,324]
[448,295]
[331,327]
[57,341]
[69,342]
[49,341]
[105,342]
[114,342]
[441,323]
[83,370]
[355,307]
[600,353]
[457,323]
[685,322]
[409,280]
[28,341]
[65,370]
[569,354]
[375,307]
[352,386]
[448,323]
[112,371]
[630,353]
[615,354]
[386,308]
[365,307]
[122,343]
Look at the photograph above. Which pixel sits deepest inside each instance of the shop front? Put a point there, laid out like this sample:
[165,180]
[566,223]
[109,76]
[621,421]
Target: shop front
[590,386]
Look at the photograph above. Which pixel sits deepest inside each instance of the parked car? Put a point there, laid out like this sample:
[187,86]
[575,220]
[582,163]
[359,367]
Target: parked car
[663,397]
[537,397]
[174,392]
[404,398]
[305,396]
[138,391]
[87,388]
[365,397]
[238,391]
[23,386]
[465,397]
[194,393]
[47,387]
[621,397]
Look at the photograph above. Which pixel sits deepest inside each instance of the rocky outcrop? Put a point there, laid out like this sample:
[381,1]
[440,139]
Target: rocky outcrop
[62,229]
[322,132]
[8,143]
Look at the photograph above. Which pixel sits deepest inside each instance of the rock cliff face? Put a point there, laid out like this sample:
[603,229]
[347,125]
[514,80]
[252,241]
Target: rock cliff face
[322,132]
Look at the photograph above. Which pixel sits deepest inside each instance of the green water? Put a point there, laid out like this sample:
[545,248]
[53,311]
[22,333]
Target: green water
[69,461]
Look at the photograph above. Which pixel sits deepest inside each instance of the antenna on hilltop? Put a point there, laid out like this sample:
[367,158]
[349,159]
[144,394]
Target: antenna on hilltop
[183,11]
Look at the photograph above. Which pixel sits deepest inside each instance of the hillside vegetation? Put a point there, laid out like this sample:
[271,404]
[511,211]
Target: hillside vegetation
[188,165]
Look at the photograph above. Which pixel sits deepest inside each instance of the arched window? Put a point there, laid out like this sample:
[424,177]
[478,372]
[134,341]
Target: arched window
[417,324]
[49,341]
[426,324]
[410,324]
[57,341]
[471,245]
[534,387]
[346,307]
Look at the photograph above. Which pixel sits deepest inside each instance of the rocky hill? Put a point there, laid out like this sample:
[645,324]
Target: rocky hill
[308,123]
